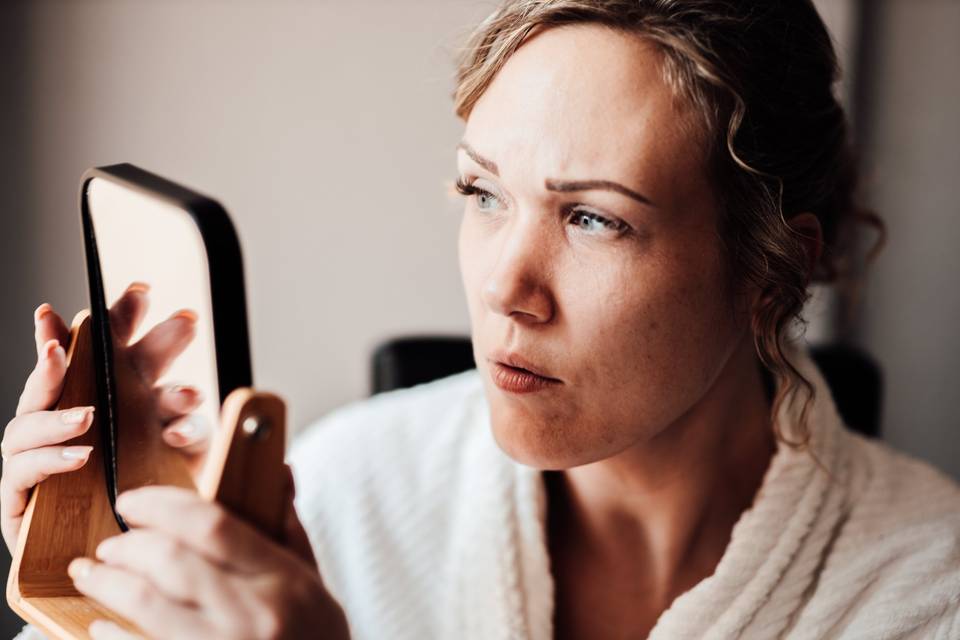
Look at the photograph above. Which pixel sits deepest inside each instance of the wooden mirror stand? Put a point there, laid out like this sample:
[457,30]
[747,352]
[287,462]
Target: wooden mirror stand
[69,514]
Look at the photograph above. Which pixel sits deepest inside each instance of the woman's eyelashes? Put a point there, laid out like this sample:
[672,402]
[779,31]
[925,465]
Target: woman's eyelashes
[591,222]
[485,198]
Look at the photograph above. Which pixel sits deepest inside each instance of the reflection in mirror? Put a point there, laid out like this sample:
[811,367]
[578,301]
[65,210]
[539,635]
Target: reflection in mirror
[156,285]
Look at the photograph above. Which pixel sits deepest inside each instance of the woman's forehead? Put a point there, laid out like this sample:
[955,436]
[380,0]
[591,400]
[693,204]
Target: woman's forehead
[582,98]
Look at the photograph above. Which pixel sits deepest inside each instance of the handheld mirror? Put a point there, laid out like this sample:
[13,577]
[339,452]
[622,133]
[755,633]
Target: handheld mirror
[168,317]
[167,311]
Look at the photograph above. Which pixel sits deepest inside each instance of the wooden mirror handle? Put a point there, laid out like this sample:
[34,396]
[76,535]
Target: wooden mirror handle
[244,471]
[69,514]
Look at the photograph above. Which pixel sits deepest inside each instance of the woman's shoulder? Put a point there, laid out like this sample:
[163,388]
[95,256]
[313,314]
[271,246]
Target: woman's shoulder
[908,514]
[894,561]
[900,492]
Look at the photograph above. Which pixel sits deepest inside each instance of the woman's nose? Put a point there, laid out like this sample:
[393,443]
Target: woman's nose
[517,284]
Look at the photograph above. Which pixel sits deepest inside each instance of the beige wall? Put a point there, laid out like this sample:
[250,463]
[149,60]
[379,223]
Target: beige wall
[325,128]
[911,315]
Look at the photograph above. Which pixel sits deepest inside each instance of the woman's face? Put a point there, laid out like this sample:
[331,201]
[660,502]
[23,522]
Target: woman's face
[591,249]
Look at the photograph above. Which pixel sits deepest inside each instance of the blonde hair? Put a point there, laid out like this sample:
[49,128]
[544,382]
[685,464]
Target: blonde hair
[761,75]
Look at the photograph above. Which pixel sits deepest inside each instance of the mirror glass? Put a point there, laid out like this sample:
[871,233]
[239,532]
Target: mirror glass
[162,370]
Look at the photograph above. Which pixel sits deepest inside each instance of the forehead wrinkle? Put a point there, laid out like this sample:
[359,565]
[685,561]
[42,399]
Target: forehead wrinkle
[613,123]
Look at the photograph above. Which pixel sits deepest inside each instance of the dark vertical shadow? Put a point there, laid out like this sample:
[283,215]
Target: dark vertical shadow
[862,74]
[865,34]
[16,235]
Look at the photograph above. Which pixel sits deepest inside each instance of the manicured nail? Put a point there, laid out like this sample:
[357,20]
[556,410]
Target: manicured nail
[186,429]
[139,287]
[186,314]
[186,432]
[49,347]
[98,627]
[76,416]
[187,390]
[42,311]
[76,453]
[79,568]
[123,501]
[174,439]
[105,548]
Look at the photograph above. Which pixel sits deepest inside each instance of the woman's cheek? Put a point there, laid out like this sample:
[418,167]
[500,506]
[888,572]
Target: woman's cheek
[470,254]
[649,348]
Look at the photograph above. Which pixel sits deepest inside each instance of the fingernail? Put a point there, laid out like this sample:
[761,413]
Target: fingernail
[186,314]
[174,439]
[187,390]
[192,429]
[125,501]
[76,416]
[184,433]
[139,287]
[186,429]
[105,548]
[41,312]
[49,347]
[79,568]
[76,453]
[100,626]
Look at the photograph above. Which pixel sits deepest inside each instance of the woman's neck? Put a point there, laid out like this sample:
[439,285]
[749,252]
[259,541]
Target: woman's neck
[663,510]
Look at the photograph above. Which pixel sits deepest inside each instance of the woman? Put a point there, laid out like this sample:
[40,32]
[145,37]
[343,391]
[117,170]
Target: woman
[642,451]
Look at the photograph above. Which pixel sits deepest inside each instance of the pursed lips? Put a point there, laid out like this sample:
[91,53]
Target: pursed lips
[516,361]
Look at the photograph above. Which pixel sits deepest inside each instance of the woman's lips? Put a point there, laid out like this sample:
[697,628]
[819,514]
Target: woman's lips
[516,380]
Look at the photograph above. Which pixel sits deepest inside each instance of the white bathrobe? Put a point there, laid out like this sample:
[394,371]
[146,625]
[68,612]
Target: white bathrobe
[424,528]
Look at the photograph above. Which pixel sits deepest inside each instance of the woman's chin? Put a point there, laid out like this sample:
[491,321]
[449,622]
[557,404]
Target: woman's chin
[541,445]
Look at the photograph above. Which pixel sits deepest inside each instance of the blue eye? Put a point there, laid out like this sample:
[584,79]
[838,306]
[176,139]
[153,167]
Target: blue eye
[593,222]
[485,199]
[588,221]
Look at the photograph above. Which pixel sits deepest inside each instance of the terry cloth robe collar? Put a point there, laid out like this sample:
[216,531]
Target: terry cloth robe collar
[770,562]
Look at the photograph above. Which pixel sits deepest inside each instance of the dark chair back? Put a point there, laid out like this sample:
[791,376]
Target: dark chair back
[853,376]
[412,360]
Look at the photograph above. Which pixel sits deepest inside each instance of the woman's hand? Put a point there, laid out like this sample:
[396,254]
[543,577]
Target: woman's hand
[189,569]
[32,445]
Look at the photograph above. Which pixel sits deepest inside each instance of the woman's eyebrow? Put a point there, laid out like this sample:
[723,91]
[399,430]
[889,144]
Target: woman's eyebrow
[489,165]
[587,185]
[559,185]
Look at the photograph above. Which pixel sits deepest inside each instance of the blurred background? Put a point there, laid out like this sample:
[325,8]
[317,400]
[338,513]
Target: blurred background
[326,130]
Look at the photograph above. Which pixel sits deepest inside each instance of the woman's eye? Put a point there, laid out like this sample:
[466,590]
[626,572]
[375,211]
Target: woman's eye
[588,221]
[592,222]
[485,199]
